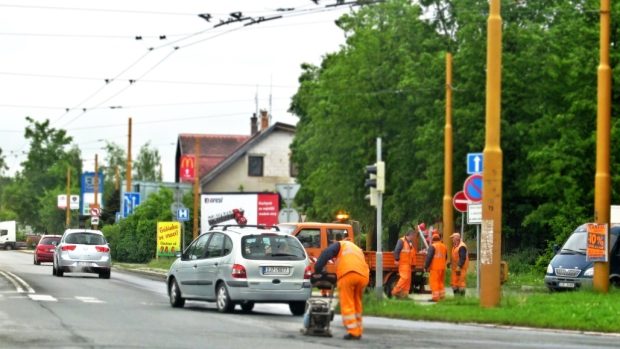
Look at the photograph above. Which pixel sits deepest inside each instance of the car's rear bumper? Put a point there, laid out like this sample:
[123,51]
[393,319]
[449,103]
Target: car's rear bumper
[84,266]
[45,256]
[567,283]
[238,292]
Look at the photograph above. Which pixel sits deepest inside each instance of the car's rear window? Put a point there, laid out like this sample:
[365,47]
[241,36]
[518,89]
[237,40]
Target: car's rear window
[272,247]
[85,239]
[48,240]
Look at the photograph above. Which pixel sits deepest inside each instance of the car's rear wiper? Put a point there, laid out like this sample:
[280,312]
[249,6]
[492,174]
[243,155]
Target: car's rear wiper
[283,255]
[568,251]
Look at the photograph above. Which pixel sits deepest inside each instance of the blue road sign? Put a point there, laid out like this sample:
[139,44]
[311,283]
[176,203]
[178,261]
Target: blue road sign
[473,188]
[87,185]
[130,201]
[183,214]
[474,163]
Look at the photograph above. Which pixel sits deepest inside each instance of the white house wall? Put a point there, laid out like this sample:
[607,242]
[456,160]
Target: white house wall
[275,151]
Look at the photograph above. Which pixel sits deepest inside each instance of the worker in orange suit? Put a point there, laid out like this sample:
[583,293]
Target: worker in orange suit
[435,263]
[353,275]
[459,263]
[404,255]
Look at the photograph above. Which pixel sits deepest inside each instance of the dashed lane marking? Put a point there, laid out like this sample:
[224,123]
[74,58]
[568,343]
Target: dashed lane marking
[89,299]
[42,298]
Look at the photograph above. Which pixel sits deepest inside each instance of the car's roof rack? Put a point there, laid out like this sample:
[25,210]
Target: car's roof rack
[258,226]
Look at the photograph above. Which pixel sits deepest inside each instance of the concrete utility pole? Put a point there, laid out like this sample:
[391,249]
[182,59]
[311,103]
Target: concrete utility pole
[491,235]
[379,272]
[96,188]
[68,208]
[196,184]
[600,280]
[448,217]
[128,172]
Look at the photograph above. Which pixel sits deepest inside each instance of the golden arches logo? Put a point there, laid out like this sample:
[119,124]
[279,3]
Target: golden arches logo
[187,162]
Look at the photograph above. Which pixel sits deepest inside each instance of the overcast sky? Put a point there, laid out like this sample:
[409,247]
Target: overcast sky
[57,54]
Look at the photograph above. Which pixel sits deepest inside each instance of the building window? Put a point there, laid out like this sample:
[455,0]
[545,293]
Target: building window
[255,166]
[292,168]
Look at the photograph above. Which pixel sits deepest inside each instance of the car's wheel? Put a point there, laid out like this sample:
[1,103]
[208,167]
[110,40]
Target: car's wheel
[59,272]
[247,307]
[174,293]
[53,269]
[224,305]
[36,262]
[8,247]
[297,308]
[105,274]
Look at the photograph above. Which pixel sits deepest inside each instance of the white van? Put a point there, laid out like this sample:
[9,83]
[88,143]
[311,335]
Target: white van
[7,235]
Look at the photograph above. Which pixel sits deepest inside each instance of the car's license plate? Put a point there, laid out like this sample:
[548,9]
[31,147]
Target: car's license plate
[567,284]
[84,264]
[275,270]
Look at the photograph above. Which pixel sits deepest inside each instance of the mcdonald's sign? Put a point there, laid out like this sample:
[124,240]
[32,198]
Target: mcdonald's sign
[187,168]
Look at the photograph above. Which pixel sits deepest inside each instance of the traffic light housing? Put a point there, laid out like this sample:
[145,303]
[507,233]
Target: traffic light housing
[375,181]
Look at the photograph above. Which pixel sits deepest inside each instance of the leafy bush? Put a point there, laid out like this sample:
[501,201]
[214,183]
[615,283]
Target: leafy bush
[522,261]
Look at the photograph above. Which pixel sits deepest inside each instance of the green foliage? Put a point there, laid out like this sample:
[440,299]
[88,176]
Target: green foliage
[388,81]
[133,239]
[148,164]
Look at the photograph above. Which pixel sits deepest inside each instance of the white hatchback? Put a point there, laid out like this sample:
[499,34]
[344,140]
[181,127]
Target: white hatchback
[82,251]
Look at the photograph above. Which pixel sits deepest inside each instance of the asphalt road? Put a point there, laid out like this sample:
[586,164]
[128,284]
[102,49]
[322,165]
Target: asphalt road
[130,311]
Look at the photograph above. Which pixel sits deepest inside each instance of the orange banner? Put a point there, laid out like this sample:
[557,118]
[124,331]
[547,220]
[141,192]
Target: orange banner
[597,242]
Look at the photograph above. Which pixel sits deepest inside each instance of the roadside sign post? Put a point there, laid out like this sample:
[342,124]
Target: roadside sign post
[130,201]
[474,163]
[288,192]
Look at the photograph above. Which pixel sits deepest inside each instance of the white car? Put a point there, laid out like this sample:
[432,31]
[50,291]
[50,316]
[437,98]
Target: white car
[242,265]
[82,251]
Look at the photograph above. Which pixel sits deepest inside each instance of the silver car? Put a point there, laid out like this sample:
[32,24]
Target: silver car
[82,251]
[243,265]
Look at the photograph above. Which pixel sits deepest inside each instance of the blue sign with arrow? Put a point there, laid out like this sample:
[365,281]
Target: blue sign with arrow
[474,163]
[130,201]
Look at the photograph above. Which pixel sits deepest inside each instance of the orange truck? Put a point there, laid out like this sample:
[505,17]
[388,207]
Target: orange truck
[315,237]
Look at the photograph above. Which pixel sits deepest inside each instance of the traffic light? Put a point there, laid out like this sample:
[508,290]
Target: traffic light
[375,181]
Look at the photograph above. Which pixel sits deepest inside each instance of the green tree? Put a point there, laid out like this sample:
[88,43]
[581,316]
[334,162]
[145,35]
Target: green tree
[147,165]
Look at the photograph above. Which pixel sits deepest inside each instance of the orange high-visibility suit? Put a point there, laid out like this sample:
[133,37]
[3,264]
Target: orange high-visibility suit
[353,275]
[459,267]
[436,263]
[405,258]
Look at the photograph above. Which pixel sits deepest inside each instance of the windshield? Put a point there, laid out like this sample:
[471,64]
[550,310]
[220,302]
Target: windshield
[85,239]
[272,247]
[49,240]
[576,243]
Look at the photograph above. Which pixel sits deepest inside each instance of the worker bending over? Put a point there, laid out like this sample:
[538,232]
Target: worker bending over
[353,274]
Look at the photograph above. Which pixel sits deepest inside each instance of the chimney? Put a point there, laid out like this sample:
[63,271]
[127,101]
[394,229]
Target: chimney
[264,120]
[253,125]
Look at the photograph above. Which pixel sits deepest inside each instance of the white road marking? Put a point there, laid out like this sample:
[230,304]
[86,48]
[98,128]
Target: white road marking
[42,298]
[89,299]
[20,285]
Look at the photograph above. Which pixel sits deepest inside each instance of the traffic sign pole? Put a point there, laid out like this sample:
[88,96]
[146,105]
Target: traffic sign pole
[448,214]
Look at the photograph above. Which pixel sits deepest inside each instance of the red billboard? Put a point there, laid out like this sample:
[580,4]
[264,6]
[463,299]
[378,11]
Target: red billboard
[187,168]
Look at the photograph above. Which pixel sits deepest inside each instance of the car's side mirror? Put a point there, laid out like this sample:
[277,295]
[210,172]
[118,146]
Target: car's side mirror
[179,255]
[556,248]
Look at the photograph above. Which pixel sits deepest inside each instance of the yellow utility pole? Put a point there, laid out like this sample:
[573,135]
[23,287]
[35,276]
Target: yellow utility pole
[600,280]
[196,184]
[96,189]
[117,178]
[128,173]
[491,236]
[68,209]
[448,217]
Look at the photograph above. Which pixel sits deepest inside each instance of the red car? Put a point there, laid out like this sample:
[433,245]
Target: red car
[44,252]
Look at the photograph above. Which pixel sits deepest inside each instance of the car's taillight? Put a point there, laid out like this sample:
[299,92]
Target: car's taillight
[308,272]
[68,248]
[238,271]
[102,248]
[41,247]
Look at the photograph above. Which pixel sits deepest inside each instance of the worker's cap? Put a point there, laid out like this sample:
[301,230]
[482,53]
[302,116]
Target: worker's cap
[422,226]
[435,237]
[410,232]
[455,235]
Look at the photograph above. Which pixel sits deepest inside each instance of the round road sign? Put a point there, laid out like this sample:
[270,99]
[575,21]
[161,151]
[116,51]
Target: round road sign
[460,202]
[473,188]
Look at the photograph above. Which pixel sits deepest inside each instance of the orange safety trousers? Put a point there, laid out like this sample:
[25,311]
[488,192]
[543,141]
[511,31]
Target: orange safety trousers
[404,281]
[436,281]
[351,288]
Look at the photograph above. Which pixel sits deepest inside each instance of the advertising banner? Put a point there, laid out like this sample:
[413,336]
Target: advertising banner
[238,209]
[187,168]
[87,191]
[168,238]
[597,242]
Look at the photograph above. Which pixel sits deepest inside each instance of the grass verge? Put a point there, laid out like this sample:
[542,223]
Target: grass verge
[161,264]
[580,310]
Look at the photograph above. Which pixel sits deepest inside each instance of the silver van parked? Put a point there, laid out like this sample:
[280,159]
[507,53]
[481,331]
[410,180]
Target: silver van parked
[243,265]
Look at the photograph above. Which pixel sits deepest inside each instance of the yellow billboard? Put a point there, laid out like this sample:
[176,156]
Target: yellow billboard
[168,238]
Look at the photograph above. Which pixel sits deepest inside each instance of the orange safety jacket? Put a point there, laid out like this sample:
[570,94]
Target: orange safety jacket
[439,257]
[351,259]
[455,257]
[407,254]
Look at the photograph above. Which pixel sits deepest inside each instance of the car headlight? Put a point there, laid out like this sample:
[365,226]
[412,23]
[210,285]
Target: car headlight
[549,269]
[589,272]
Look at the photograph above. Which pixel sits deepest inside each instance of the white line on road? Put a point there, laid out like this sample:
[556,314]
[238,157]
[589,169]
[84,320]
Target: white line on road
[20,285]
[89,299]
[42,298]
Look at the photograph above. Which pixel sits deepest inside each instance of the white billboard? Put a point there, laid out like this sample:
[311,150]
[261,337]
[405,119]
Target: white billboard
[238,208]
